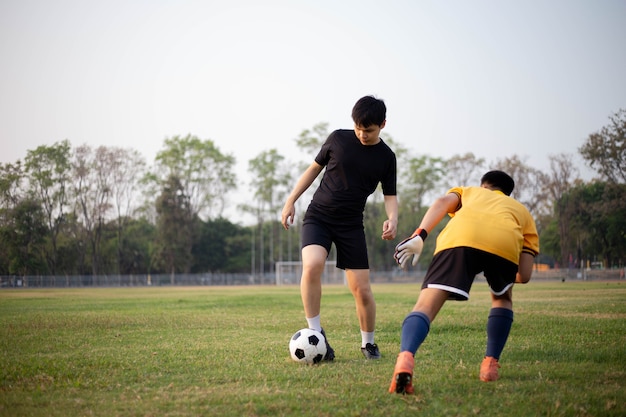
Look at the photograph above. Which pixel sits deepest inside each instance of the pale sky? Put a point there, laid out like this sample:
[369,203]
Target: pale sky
[495,78]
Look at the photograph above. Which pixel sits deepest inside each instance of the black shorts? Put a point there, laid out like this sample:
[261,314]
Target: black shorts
[349,241]
[454,270]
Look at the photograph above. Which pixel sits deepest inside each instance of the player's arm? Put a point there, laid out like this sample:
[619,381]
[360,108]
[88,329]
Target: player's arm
[412,246]
[530,249]
[390,226]
[305,181]
[525,268]
[449,203]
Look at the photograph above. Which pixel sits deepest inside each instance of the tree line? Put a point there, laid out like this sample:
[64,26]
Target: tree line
[82,210]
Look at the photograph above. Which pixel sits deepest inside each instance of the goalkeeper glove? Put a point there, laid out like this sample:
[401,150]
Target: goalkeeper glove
[411,246]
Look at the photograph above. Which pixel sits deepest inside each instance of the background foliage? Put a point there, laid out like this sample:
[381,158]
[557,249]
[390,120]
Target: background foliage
[81,211]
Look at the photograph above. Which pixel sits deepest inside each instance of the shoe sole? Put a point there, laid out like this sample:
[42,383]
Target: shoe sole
[404,381]
[369,355]
[374,353]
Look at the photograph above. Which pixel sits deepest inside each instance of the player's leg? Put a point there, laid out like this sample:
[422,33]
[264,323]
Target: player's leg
[316,243]
[415,328]
[352,257]
[313,261]
[499,325]
[449,275]
[500,274]
[359,284]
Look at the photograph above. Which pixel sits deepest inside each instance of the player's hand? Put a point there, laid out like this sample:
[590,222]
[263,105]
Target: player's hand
[287,215]
[411,246]
[390,228]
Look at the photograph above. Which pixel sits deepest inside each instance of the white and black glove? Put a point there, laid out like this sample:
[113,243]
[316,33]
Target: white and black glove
[411,246]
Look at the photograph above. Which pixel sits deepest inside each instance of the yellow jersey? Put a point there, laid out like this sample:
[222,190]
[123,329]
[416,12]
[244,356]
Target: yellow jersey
[492,222]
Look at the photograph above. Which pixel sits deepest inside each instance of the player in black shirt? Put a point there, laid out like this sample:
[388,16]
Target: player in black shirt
[356,161]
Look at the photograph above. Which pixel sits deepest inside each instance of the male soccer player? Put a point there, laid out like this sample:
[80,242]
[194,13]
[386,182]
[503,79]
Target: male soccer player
[489,232]
[356,162]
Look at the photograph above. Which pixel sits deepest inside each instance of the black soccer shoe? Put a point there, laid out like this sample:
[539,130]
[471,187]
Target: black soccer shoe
[330,352]
[370,351]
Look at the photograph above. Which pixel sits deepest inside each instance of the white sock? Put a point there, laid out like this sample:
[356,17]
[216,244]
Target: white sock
[314,323]
[366,337]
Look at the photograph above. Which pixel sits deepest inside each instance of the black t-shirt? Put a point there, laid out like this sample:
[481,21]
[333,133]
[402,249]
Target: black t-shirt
[353,171]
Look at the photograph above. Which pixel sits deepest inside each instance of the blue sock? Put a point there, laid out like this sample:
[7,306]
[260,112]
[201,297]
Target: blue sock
[415,328]
[498,329]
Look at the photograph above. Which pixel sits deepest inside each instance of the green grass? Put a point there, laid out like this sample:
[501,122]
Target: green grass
[223,351]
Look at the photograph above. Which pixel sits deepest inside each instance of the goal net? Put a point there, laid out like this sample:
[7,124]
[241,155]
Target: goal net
[289,272]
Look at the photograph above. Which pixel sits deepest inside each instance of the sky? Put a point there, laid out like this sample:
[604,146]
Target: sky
[493,77]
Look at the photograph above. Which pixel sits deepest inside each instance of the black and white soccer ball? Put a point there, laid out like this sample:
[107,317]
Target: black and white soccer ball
[307,346]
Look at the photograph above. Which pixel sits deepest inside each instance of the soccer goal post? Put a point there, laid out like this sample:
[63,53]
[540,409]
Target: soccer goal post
[289,272]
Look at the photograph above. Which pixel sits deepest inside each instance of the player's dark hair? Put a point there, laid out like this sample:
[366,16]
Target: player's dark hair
[368,111]
[499,180]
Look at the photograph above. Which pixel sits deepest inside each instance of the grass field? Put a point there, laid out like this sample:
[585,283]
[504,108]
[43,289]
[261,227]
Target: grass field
[223,351]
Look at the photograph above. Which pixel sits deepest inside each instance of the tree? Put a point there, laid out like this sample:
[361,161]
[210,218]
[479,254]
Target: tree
[563,173]
[463,170]
[270,179]
[205,174]
[175,228]
[550,243]
[557,183]
[598,212]
[48,169]
[422,180]
[93,183]
[220,246]
[73,249]
[605,151]
[136,256]
[194,178]
[11,177]
[529,182]
[310,141]
[127,167]
[24,233]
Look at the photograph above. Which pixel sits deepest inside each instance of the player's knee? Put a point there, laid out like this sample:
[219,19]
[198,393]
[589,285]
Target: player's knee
[363,294]
[313,268]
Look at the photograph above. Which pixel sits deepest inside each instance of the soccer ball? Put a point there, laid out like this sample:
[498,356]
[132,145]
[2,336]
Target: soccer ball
[307,346]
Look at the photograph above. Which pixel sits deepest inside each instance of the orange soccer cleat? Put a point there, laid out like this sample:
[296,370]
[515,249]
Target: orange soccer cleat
[402,381]
[489,369]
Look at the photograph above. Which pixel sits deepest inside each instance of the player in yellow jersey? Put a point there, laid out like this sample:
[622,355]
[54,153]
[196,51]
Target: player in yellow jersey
[488,232]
